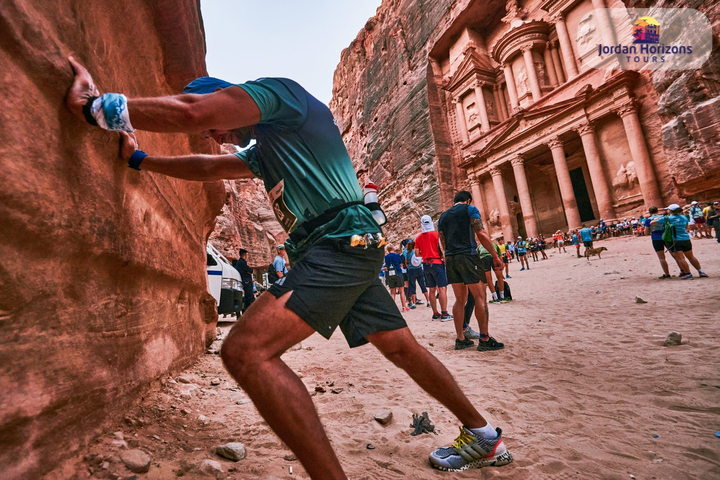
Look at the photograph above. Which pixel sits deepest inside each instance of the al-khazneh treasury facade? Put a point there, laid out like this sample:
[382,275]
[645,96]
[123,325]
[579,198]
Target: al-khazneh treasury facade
[548,142]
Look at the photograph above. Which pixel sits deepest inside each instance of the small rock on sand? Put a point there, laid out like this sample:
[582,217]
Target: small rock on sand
[215,381]
[673,339]
[203,419]
[640,299]
[184,379]
[234,451]
[290,457]
[211,467]
[384,417]
[136,460]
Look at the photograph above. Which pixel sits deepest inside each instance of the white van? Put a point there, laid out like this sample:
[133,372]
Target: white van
[224,283]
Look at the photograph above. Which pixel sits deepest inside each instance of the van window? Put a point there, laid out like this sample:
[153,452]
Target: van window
[211,262]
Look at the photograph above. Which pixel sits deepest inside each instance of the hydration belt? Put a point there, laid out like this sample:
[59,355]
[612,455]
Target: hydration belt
[433,261]
[306,228]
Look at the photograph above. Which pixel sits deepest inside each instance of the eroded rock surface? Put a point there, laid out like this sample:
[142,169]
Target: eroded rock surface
[103,268]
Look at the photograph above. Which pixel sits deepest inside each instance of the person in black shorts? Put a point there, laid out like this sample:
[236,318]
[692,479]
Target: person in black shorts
[335,247]
[656,232]
[458,227]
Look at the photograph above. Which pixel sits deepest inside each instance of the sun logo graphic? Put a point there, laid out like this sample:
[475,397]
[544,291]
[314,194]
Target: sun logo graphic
[646,30]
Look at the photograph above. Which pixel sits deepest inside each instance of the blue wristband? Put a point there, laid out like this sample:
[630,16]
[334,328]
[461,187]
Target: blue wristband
[136,159]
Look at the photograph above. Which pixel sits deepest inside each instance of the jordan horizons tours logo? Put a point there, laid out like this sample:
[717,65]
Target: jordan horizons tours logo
[646,35]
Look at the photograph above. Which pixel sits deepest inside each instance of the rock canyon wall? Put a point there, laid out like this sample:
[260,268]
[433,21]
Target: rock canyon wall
[689,106]
[102,269]
[382,104]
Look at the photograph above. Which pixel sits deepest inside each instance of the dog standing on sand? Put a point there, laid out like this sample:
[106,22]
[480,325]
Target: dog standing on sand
[589,252]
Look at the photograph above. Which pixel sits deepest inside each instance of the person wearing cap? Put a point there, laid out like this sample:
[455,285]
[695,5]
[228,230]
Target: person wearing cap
[300,156]
[521,247]
[680,246]
[246,278]
[279,264]
[656,232]
[713,219]
[696,213]
[427,246]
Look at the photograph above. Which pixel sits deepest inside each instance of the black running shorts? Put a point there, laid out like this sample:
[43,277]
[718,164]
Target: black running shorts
[588,243]
[679,246]
[658,245]
[487,263]
[334,285]
[465,269]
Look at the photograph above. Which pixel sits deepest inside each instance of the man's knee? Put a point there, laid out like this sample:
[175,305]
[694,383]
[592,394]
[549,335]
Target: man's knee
[237,354]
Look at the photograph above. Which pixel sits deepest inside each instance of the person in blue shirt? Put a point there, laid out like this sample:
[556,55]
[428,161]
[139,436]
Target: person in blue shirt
[656,231]
[300,157]
[521,247]
[279,264]
[587,237]
[394,263]
[680,247]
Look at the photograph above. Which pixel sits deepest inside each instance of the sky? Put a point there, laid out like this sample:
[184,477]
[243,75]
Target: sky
[297,39]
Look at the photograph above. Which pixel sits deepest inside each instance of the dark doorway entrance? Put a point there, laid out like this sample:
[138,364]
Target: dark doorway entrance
[521,225]
[582,197]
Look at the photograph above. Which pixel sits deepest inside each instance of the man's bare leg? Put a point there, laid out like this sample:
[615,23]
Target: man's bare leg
[481,311]
[443,299]
[663,262]
[458,309]
[401,348]
[433,300]
[251,354]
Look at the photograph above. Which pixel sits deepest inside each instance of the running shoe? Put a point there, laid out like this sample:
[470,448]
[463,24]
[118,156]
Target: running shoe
[428,305]
[522,269]
[664,277]
[491,344]
[470,333]
[405,309]
[508,276]
[470,451]
[412,306]
[702,275]
[436,316]
[463,344]
[686,276]
[445,317]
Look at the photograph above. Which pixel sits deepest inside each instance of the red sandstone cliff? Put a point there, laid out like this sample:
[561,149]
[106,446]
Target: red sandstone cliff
[102,268]
[689,104]
[383,107]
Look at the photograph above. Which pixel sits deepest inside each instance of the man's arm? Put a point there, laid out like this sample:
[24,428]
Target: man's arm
[199,168]
[485,241]
[227,109]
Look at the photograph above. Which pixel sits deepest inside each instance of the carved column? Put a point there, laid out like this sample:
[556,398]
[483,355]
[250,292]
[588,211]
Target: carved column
[482,108]
[502,203]
[510,82]
[532,73]
[462,125]
[518,165]
[603,196]
[641,156]
[556,61]
[572,214]
[550,66]
[477,197]
[566,46]
[604,23]
[500,102]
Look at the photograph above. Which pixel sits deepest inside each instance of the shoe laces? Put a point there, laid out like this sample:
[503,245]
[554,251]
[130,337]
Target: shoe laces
[465,438]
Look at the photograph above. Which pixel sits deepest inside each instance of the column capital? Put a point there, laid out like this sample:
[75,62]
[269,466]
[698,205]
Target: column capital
[506,66]
[555,142]
[585,128]
[554,43]
[474,178]
[496,87]
[517,160]
[455,100]
[555,19]
[526,48]
[495,172]
[479,83]
[626,109]
[548,46]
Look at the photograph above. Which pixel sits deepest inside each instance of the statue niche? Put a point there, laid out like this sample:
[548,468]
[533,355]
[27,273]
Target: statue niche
[522,81]
[586,34]
[494,218]
[625,179]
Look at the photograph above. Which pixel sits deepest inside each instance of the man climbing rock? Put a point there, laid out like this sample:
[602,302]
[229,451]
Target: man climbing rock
[315,195]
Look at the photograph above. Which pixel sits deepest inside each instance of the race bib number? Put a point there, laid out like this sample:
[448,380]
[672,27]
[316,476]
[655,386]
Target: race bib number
[283,214]
[391,273]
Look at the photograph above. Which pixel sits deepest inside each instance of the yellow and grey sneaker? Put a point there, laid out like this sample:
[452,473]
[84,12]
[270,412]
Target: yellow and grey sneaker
[471,451]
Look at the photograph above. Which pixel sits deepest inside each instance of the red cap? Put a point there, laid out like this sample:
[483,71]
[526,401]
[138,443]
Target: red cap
[370,185]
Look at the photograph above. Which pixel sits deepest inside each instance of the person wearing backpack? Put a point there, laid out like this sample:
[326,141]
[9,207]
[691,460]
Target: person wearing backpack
[656,233]
[677,241]
[278,268]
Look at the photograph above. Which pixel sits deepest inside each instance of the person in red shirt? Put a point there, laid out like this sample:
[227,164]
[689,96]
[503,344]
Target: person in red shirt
[427,246]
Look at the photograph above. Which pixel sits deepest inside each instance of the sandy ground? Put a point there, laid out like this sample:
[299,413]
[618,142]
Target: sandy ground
[584,388]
